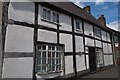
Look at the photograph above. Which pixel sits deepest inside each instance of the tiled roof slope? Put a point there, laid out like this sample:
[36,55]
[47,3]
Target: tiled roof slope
[74,9]
[77,11]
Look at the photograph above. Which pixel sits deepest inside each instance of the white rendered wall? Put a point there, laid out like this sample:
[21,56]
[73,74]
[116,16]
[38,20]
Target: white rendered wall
[98,43]
[109,48]
[111,59]
[105,48]
[41,22]
[67,40]
[88,29]
[18,67]
[19,39]
[65,22]
[79,44]
[87,59]
[22,11]
[80,62]
[89,42]
[104,35]
[68,64]
[47,36]
[107,60]
[108,37]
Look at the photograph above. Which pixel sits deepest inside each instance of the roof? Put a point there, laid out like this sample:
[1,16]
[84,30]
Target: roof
[74,9]
[77,11]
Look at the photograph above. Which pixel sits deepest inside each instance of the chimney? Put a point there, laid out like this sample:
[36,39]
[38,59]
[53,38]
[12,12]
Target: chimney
[87,8]
[102,20]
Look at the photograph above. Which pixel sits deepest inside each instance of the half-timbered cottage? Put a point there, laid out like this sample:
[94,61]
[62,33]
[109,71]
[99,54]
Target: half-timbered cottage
[53,39]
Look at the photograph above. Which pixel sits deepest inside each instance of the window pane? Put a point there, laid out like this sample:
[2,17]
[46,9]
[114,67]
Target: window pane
[43,69]
[59,49]
[57,67]
[39,47]
[53,64]
[38,68]
[59,60]
[53,48]
[46,14]
[53,54]
[55,17]
[49,47]
[44,47]
[49,54]
[57,54]
[49,64]
[77,25]
[39,60]
[43,57]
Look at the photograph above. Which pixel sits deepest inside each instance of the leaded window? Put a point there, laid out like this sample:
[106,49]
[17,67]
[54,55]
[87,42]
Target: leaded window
[49,58]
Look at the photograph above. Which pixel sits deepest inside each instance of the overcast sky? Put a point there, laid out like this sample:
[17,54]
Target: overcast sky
[108,9]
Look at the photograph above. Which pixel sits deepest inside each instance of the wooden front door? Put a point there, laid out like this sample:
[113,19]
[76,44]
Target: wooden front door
[92,59]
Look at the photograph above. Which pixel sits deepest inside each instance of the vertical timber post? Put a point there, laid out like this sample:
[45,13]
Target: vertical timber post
[35,40]
[74,47]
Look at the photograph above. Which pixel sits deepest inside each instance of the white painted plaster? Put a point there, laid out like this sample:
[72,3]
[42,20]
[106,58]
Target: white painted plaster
[87,59]
[88,29]
[89,42]
[80,62]
[67,40]
[104,35]
[109,48]
[18,67]
[22,11]
[79,44]
[108,37]
[47,36]
[105,48]
[68,64]
[19,39]
[65,22]
[98,43]
[106,60]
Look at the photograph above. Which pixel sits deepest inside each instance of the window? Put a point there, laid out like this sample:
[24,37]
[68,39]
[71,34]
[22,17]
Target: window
[99,57]
[46,14]
[55,17]
[50,16]
[78,25]
[49,58]
[97,32]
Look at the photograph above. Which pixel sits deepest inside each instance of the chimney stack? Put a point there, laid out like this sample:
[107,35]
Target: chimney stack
[87,8]
[102,20]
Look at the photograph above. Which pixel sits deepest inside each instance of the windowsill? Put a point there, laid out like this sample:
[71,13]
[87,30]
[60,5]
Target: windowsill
[77,30]
[49,73]
[51,22]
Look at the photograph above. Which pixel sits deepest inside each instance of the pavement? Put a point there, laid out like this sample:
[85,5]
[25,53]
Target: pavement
[113,73]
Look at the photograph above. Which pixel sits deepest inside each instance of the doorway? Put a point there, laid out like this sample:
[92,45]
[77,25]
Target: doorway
[92,59]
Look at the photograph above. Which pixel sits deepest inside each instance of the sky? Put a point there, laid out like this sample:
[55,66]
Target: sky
[108,9]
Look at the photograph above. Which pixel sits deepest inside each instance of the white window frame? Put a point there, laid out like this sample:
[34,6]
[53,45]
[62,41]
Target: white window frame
[47,65]
[80,26]
[99,56]
[51,16]
[96,33]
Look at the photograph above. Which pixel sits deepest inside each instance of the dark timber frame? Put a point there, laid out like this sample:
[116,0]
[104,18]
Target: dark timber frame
[36,26]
